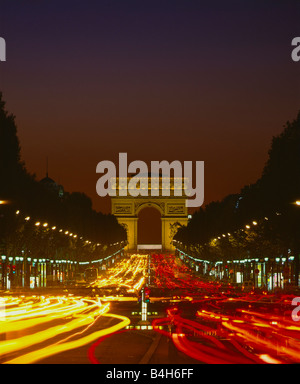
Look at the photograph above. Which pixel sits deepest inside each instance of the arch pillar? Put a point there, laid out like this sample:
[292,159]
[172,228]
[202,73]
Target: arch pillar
[130,224]
[169,227]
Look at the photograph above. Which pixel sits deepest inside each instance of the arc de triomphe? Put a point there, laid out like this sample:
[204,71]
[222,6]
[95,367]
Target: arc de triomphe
[172,208]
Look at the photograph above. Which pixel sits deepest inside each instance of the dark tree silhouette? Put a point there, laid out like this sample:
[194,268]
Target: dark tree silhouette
[72,212]
[271,200]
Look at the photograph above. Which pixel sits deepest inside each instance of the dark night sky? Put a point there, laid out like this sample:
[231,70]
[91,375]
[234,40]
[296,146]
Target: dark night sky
[160,80]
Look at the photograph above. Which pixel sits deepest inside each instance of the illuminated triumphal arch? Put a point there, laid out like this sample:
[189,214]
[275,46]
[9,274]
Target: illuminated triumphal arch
[172,208]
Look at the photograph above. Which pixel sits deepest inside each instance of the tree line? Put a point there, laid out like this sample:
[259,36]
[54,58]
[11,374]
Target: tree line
[263,219]
[26,206]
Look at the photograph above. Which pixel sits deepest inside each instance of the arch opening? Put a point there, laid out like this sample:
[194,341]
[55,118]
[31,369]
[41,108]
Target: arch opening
[149,227]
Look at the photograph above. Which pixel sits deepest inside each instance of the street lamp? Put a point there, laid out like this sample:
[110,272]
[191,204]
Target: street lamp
[298,203]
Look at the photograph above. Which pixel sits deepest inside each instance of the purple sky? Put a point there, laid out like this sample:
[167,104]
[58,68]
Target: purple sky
[160,80]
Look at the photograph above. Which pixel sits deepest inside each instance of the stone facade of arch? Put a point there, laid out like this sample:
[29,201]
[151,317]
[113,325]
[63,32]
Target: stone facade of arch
[172,209]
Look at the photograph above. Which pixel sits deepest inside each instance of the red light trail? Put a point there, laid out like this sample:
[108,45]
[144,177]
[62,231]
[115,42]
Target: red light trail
[245,329]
